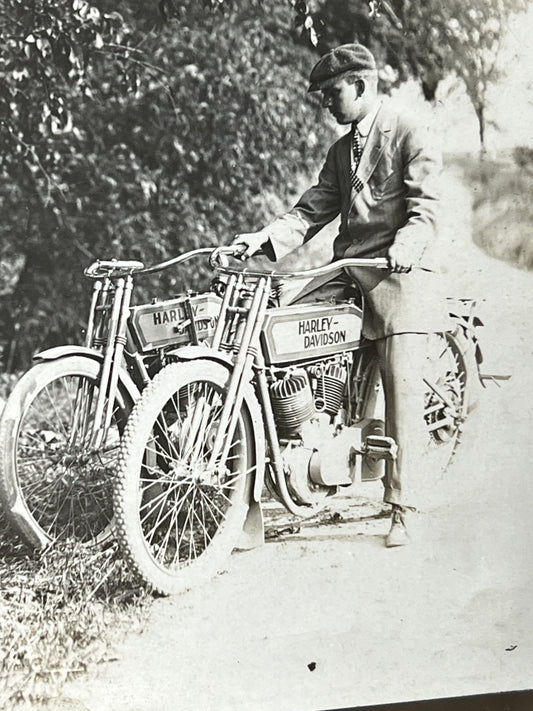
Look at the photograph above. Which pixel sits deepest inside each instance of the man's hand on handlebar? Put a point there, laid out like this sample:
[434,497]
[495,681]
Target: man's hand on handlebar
[251,243]
[401,259]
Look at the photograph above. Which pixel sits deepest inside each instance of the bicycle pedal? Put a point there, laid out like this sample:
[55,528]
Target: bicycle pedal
[380,447]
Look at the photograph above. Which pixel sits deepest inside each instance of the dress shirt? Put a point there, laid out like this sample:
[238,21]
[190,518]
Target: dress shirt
[363,129]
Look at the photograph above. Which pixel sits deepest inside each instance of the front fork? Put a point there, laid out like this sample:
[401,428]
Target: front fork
[246,349]
[107,328]
[240,323]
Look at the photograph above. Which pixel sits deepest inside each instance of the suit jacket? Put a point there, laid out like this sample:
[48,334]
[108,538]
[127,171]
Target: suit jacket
[398,204]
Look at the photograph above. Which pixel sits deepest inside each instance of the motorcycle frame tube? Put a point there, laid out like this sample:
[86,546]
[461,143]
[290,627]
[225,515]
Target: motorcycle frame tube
[366,368]
[272,438]
[131,355]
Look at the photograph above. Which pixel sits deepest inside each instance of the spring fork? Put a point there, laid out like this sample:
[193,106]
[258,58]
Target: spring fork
[90,325]
[101,316]
[114,348]
[221,319]
[120,342]
[94,330]
[242,367]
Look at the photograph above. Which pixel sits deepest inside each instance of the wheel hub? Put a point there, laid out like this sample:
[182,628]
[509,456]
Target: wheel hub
[443,419]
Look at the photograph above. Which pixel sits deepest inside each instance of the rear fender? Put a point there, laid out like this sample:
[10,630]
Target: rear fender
[67,351]
[463,313]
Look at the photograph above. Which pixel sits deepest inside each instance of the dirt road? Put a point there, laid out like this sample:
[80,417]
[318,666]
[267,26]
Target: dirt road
[328,617]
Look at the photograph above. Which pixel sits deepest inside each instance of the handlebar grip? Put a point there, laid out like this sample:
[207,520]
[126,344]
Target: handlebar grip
[219,255]
[104,267]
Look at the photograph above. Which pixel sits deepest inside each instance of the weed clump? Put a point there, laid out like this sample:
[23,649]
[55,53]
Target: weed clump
[61,611]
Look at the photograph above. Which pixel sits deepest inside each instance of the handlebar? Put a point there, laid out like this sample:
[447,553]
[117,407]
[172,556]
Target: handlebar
[217,262]
[112,267]
[115,268]
[178,260]
[118,268]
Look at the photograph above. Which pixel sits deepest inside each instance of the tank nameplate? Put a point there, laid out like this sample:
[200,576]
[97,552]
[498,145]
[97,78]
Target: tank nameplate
[296,333]
[165,323]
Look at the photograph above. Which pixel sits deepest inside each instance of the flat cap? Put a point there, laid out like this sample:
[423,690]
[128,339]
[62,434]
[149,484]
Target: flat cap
[347,57]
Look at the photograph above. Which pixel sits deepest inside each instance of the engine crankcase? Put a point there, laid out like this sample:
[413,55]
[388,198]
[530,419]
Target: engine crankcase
[296,458]
[333,462]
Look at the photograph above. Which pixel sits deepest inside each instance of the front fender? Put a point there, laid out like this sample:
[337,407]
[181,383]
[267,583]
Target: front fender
[194,352]
[67,351]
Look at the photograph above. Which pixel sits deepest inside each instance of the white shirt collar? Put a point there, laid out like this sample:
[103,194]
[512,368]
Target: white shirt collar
[365,124]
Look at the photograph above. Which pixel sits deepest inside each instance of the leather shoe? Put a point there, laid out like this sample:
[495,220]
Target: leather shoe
[397,535]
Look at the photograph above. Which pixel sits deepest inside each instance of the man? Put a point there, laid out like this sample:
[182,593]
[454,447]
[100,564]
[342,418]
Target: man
[380,177]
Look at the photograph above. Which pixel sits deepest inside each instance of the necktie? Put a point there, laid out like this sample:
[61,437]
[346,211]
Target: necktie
[357,184]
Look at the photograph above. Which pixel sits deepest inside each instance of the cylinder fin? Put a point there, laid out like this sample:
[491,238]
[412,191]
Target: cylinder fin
[292,401]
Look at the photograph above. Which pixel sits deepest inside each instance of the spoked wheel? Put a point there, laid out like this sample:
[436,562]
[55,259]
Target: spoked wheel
[53,484]
[445,399]
[178,515]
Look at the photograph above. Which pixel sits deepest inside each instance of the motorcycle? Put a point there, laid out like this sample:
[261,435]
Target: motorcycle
[61,425]
[283,395]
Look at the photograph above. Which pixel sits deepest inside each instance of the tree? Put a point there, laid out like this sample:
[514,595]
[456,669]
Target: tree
[125,135]
[472,48]
[426,39]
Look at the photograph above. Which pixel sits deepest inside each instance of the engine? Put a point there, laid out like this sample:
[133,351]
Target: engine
[308,409]
[297,395]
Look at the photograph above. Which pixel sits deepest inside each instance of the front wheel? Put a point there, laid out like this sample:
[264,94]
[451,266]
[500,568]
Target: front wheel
[53,484]
[178,517]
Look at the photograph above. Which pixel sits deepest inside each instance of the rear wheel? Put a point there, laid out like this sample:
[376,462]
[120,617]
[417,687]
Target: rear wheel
[448,383]
[178,517]
[52,484]
[446,400]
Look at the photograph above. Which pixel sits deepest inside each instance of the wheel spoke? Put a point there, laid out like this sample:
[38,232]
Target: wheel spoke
[185,512]
[213,507]
[64,488]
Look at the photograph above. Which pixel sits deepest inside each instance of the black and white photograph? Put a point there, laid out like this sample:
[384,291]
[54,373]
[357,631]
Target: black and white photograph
[266,383]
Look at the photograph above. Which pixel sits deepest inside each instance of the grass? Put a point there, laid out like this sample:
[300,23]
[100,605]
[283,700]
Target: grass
[61,611]
[502,206]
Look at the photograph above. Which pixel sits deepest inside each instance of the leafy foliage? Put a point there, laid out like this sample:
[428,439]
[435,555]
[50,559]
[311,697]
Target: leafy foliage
[125,136]
[139,129]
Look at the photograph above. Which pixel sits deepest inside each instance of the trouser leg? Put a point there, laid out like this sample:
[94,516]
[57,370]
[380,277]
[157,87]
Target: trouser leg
[402,360]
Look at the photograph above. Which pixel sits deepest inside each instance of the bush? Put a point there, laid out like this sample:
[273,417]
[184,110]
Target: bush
[523,157]
[502,207]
